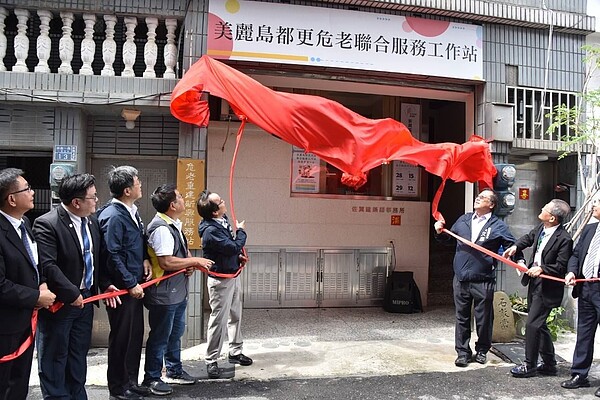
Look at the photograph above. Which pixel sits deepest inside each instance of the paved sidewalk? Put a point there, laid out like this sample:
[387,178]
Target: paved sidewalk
[331,342]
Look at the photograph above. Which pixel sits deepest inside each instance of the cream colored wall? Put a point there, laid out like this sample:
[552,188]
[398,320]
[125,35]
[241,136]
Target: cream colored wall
[261,189]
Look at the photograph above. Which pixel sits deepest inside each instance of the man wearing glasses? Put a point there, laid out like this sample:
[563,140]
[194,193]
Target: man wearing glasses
[22,286]
[551,248]
[68,239]
[220,244]
[475,274]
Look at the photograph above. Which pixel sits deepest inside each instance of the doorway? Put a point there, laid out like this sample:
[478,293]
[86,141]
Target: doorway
[446,124]
[36,168]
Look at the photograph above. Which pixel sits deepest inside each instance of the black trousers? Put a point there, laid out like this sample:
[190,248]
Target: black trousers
[537,335]
[124,343]
[480,296]
[63,342]
[588,318]
[14,375]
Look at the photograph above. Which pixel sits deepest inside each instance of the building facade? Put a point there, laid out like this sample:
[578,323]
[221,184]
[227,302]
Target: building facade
[86,84]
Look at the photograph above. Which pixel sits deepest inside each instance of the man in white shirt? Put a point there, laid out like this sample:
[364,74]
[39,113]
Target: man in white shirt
[167,300]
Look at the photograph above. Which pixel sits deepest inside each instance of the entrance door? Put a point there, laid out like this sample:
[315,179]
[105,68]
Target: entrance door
[337,276]
[152,173]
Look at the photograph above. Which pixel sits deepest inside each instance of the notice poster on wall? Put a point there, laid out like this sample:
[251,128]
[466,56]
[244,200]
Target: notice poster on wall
[305,172]
[406,181]
[410,116]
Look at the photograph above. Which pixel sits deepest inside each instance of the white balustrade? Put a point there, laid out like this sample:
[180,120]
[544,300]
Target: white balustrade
[66,46]
[151,49]
[88,46]
[21,41]
[3,15]
[109,46]
[129,48]
[43,44]
[170,49]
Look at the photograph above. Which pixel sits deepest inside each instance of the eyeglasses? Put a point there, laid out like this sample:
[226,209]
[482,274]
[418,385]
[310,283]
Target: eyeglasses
[27,189]
[94,197]
[546,210]
[481,197]
[221,202]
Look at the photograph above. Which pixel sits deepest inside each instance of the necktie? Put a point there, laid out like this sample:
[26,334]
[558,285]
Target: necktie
[87,255]
[540,239]
[28,248]
[590,259]
[228,226]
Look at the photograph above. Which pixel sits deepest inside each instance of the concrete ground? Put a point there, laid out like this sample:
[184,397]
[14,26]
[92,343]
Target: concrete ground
[335,342]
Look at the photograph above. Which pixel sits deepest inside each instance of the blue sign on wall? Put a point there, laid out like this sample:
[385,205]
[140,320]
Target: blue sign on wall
[65,153]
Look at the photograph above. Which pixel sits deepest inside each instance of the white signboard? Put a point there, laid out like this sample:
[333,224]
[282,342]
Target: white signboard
[327,37]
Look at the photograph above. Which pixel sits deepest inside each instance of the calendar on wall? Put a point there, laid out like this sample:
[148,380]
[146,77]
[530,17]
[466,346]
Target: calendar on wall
[406,180]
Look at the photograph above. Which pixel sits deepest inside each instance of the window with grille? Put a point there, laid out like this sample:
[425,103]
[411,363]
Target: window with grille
[532,107]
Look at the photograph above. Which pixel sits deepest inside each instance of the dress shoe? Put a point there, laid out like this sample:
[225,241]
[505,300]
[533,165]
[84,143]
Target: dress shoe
[126,395]
[523,371]
[575,382]
[213,370]
[240,359]
[547,369]
[462,361]
[480,357]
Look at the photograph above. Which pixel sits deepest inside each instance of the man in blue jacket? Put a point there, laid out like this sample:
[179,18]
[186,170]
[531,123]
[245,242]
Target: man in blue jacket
[124,264]
[475,274]
[225,294]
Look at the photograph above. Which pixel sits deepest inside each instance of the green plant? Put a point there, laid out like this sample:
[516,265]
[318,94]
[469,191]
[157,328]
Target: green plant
[518,303]
[556,325]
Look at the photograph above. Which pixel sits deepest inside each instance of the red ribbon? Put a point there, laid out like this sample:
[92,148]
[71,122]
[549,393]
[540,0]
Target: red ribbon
[510,262]
[25,345]
[57,304]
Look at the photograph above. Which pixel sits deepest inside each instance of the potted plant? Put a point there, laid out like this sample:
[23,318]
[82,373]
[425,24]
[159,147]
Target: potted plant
[554,322]
[519,308]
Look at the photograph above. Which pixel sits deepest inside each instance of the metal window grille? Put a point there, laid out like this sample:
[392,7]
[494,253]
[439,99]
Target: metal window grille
[532,112]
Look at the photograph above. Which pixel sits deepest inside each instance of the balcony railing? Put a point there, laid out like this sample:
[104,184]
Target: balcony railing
[88,44]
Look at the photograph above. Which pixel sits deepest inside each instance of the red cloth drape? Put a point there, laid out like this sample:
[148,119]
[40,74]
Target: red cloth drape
[350,142]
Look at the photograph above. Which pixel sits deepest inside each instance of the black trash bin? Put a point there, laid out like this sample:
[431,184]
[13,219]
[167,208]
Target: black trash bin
[402,294]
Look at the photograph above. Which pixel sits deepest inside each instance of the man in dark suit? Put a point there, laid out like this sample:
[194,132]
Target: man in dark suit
[68,239]
[124,264]
[22,288]
[552,247]
[475,274]
[584,264]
